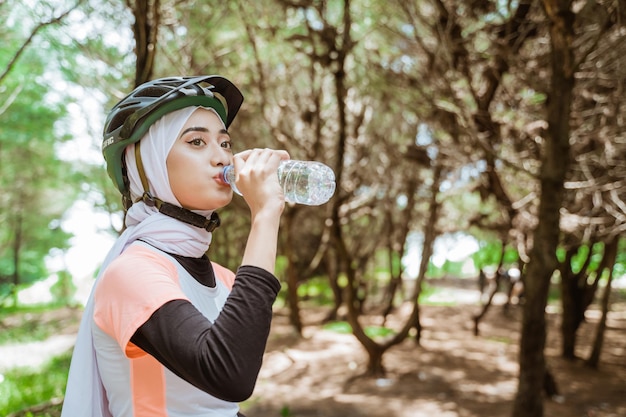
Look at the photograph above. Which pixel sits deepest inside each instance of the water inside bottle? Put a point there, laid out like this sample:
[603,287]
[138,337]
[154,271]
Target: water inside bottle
[303,182]
[306,182]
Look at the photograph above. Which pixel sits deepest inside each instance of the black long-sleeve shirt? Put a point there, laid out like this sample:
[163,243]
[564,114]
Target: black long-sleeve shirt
[221,358]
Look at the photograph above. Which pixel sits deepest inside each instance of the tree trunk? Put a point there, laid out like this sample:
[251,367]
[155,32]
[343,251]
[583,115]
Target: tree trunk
[395,253]
[555,163]
[375,360]
[390,294]
[610,254]
[478,317]
[395,276]
[333,280]
[576,296]
[145,29]
[374,350]
[292,274]
[569,321]
[17,246]
[430,235]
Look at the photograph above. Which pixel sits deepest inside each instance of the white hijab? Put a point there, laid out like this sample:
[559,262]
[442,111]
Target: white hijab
[85,395]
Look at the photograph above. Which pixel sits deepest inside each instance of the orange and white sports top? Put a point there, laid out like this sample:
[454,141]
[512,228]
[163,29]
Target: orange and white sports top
[196,353]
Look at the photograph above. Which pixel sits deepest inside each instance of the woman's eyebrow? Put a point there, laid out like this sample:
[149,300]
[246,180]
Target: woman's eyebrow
[202,129]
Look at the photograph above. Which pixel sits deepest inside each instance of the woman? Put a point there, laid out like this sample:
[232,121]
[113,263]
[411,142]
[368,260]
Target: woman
[166,332]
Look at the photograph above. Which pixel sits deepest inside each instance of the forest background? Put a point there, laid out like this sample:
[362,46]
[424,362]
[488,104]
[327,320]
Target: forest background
[498,120]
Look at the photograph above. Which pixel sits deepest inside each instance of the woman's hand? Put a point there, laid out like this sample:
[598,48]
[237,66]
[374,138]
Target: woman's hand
[257,180]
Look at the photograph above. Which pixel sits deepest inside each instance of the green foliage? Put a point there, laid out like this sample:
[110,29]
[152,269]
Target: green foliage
[35,184]
[449,268]
[620,262]
[342,327]
[432,271]
[27,331]
[23,387]
[25,328]
[63,290]
[597,253]
[375,332]
[434,296]
[285,411]
[554,294]
[501,339]
[379,332]
[490,253]
[316,289]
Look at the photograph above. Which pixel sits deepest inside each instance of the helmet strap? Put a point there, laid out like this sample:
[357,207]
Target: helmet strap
[182,214]
[140,170]
[171,210]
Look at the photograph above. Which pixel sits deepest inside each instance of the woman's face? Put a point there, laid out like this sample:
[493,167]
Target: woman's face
[196,161]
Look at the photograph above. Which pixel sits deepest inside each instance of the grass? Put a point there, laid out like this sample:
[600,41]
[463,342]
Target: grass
[29,327]
[343,327]
[27,331]
[21,388]
[428,296]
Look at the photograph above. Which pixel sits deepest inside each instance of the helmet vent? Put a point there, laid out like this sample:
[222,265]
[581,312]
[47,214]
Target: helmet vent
[118,120]
[151,92]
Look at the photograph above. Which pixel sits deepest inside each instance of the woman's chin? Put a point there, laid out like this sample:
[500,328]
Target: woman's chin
[215,201]
[221,201]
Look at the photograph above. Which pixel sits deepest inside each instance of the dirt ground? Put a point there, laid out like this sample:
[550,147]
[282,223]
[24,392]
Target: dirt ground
[451,373]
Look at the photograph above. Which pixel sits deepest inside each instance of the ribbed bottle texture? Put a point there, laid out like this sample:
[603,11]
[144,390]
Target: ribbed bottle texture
[304,182]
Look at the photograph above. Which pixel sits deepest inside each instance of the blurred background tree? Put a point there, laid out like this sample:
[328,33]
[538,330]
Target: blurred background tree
[37,187]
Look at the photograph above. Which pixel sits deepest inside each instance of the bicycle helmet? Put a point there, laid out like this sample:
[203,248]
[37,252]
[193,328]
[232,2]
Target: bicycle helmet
[131,118]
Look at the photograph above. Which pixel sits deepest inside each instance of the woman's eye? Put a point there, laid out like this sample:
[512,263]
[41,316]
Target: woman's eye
[227,144]
[196,142]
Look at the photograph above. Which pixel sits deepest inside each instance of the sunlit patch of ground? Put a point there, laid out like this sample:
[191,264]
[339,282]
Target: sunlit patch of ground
[451,373]
[53,331]
[34,354]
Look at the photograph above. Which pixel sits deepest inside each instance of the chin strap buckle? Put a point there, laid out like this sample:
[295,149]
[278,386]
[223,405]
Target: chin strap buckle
[212,222]
[149,200]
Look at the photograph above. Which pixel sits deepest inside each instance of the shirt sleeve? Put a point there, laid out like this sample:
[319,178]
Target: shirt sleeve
[223,358]
[130,290]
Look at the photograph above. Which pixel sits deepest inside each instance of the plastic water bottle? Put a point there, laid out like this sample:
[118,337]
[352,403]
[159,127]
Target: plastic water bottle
[304,182]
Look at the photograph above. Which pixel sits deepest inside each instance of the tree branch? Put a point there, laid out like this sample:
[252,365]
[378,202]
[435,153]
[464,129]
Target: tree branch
[30,38]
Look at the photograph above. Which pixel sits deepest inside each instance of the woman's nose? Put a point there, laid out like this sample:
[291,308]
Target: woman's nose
[221,156]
